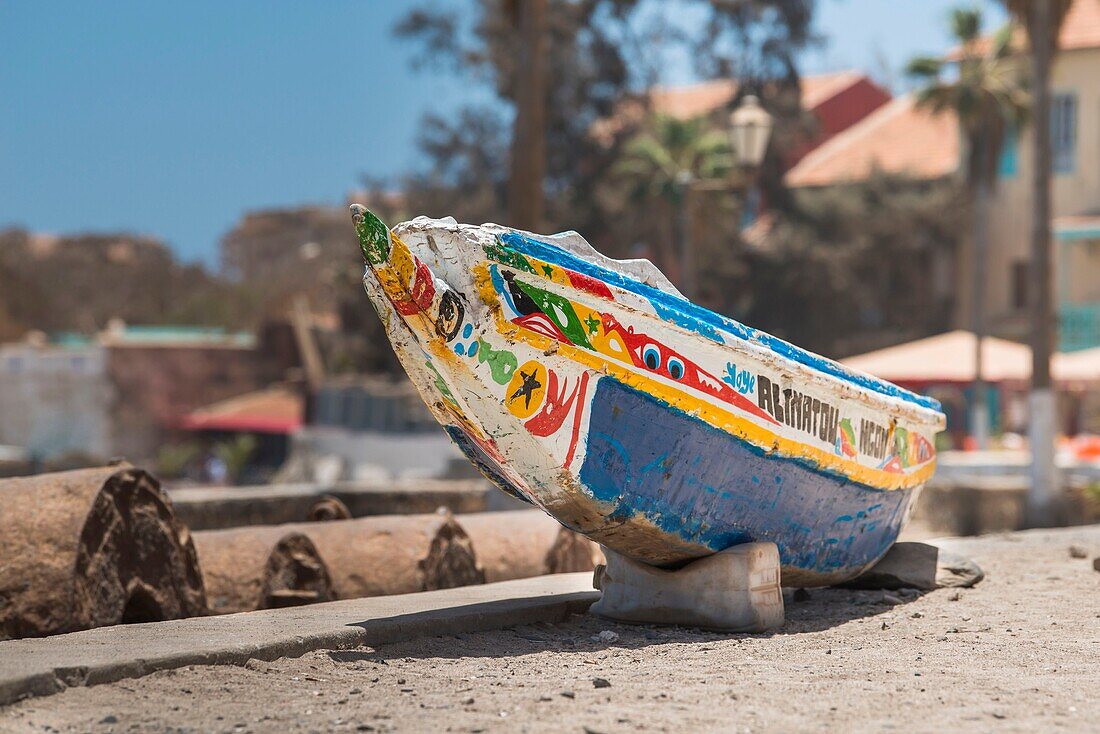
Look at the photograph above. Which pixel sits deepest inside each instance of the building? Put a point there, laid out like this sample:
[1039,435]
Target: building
[1075,197]
[900,138]
[124,391]
[897,137]
[836,101]
[56,398]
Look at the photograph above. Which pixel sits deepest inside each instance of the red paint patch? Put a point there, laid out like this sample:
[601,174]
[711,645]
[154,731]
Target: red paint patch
[555,409]
[540,323]
[673,365]
[588,284]
[405,306]
[577,421]
[423,289]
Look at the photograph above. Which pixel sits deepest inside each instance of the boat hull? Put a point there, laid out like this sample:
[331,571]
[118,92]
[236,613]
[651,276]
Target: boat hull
[633,420]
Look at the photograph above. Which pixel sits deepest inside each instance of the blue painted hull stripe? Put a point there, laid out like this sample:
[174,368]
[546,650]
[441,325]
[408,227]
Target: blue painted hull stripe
[703,321]
[705,486]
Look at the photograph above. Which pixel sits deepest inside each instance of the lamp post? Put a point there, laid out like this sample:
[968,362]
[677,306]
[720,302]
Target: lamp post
[749,131]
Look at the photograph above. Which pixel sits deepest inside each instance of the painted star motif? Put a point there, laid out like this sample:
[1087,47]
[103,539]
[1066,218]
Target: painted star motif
[549,270]
[592,323]
[525,390]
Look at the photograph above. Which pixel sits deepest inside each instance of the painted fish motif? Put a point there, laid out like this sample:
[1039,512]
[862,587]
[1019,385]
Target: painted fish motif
[590,388]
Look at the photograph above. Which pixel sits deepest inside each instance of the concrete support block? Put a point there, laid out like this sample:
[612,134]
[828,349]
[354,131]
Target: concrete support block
[736,590]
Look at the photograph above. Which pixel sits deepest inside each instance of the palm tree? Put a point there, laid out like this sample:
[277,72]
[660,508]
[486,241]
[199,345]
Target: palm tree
[665,161]
[528,157]
[988,98]
[1042,19]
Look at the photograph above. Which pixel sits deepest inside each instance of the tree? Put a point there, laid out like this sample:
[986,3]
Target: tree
[599,54]
[853,268]
[664,162]
[528,154]
[1043,21]
[988,98]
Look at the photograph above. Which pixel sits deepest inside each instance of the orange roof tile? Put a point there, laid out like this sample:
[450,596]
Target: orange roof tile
[1080,29]
[277,409]
[819,87]
[693,100]
[896,138]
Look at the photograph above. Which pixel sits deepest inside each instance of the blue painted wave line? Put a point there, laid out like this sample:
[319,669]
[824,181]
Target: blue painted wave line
[689,315]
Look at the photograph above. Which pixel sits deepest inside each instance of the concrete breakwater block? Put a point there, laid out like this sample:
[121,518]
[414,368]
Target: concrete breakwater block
[525,543]
[251,568]
[263,567]
[736,590]
[91,548]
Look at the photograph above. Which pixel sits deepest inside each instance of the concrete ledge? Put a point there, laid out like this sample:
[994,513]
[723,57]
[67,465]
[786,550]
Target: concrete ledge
[985,503]
[215,508]
[39,667]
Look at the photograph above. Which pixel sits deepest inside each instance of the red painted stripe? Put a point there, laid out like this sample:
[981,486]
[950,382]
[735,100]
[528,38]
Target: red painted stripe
[577,420]
[587,283]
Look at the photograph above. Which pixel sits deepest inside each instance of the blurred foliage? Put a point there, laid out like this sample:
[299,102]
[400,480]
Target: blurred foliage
[78,283]
[174,460]
[987,92]
[852,268]
[661,161]
[235,453]
[837,270]
[603,55]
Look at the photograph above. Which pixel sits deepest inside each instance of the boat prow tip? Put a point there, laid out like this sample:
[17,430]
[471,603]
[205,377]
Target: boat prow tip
[374,235]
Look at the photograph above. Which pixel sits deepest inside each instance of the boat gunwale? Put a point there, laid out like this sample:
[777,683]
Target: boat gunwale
[735,329]
[841,390]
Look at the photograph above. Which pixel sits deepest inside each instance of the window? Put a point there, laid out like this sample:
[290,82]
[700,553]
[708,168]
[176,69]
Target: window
[1007,164]
[750,211]
[1021,270]
[1063,132]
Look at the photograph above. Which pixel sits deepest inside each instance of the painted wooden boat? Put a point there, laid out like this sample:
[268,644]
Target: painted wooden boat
[592,389]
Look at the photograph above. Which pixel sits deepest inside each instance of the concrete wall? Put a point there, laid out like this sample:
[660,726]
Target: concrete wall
[55,400]
[378,455]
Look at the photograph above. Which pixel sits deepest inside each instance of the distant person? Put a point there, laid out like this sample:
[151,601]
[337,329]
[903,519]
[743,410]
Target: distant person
[216,470]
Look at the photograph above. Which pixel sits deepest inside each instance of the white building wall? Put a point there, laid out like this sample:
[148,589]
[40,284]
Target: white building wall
[55,400]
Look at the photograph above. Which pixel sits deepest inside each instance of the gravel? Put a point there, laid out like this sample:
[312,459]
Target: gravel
[1019,652]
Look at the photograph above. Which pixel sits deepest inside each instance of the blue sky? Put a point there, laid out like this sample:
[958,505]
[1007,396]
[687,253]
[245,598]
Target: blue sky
[171,119]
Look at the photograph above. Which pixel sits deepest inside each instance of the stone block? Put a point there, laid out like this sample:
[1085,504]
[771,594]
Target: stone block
[736,590]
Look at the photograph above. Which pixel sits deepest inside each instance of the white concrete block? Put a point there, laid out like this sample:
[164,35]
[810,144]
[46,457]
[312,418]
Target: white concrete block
[736,590]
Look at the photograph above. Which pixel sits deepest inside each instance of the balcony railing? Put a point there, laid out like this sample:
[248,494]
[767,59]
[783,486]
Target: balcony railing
[1079,326]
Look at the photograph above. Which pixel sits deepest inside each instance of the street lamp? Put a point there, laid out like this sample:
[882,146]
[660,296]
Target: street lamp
[750,127]
[749,131]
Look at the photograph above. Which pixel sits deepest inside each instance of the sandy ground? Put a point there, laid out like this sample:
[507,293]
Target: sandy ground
[1020,652]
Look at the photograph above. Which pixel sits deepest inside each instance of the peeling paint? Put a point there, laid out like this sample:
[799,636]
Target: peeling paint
[592,389]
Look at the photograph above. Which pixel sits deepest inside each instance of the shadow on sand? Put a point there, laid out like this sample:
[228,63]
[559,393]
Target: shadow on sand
[810,610]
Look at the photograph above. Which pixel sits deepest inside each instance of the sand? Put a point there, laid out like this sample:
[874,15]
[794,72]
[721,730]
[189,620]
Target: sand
[1020,652]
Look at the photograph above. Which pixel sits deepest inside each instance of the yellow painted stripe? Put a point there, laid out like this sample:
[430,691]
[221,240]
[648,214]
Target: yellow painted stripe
[702,409]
